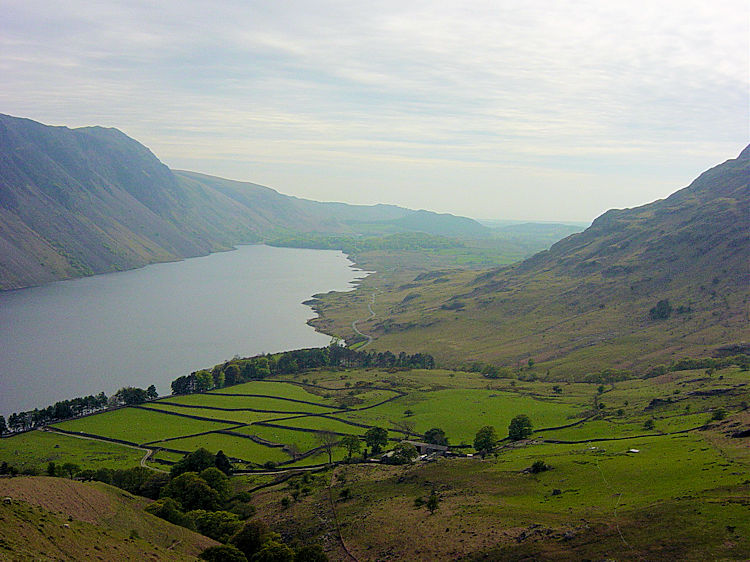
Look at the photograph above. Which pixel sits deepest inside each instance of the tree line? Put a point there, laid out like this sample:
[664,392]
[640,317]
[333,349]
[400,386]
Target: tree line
[75,407]
[259,367]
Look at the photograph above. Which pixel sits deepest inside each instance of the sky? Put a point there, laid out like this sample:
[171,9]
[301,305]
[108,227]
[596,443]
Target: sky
[551,110]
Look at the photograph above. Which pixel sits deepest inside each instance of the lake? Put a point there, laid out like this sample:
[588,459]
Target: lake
[151,325]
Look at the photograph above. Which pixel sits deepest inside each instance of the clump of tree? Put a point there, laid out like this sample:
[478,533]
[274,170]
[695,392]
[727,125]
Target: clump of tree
[520,428]
[491,371]
[352,444]
[433,502]
[259,367]
[436,436]
[258,543]
[73,408]
[376,438]
[327,441]
[59,411]
[689,364]
[200,460]
[131,395]
[661,311]
[485,440]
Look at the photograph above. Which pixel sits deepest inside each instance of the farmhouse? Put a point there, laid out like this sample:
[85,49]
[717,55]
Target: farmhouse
[428,448]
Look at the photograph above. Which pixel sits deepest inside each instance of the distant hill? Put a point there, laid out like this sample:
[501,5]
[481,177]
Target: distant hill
[586,303]
[91,200]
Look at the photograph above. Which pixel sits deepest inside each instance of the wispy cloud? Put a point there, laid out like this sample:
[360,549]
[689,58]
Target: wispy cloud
[410,103]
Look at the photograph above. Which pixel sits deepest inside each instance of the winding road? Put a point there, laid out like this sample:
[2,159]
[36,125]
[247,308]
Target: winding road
[372,315]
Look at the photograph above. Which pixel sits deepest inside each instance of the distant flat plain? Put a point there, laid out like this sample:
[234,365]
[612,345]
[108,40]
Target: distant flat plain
[148,326]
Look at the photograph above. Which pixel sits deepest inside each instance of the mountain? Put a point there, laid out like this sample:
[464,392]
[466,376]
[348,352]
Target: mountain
[591,301]
[92,200]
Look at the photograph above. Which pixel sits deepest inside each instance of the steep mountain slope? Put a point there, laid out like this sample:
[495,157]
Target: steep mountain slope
[585,304]
[92,200]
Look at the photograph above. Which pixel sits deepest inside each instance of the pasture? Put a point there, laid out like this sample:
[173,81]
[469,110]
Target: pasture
[413,401]
[35,449]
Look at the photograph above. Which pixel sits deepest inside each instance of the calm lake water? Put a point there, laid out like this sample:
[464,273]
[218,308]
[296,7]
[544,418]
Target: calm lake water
[151,325]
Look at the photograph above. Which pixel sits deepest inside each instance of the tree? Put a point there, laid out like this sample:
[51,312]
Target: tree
[485,440]
[131,395]
[169,510]
[203,380]
[404,453]
[250,538]
[376,438]
[218,525]
[218,481]
[198,460]
[432,502]
[436,436]
[222,553]
[193,492]
[151,393]
[70,469]
[153,485]
[352,444]
[274,551]
[649,425]
[3,427]
[539,466]
[51,469]
[327,440]
[520,427]
[223,464]
[661,311]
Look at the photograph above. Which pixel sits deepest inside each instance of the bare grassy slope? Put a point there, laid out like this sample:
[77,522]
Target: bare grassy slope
[60,519]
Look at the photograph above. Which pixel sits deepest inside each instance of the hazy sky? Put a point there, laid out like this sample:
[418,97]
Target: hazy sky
[504,109]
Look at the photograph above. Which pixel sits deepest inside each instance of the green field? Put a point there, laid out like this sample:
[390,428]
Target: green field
[234,417]
[457,402]
[138,425]
[35,449]
[270,388]
[461,412]
[236,447]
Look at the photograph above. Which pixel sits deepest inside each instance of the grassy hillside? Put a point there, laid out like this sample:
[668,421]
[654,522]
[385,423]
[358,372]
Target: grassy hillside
[652,468]
[59,519]
[583,305]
